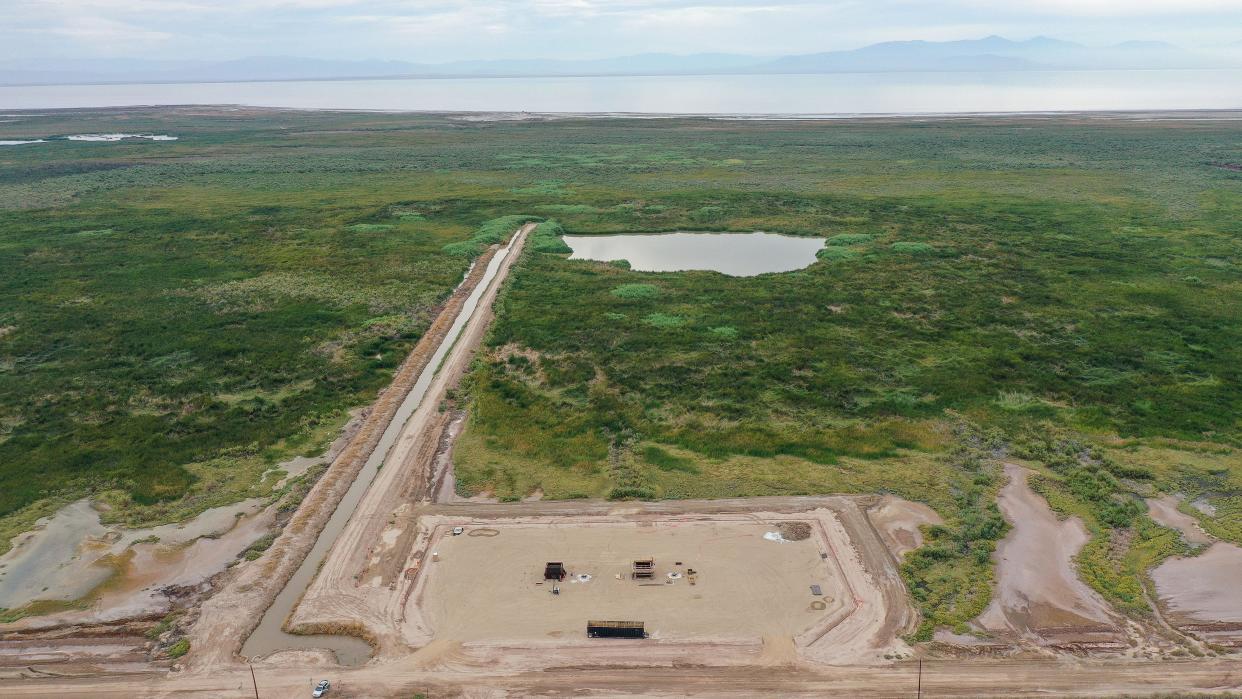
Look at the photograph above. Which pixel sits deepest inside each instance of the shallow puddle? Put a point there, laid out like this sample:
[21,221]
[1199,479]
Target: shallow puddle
[734,254]
[1203,588]
[900,523]
[1164,510]
[71,553]
[96,138]
[1038,591]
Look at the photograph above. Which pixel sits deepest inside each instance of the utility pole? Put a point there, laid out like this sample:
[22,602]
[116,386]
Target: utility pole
[254,681]
[920,696]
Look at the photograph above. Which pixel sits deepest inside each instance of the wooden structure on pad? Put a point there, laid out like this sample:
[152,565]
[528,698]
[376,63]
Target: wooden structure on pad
[644,569]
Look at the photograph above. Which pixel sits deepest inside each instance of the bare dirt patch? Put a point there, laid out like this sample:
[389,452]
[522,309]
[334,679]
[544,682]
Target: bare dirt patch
[900,523]
[488,591]
[492,588]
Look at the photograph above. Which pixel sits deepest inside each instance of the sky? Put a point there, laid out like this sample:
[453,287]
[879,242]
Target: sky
[432,31]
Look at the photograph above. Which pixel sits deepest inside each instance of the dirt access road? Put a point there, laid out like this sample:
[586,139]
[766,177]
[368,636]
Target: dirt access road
[432,673]
[228,617]
[359,585]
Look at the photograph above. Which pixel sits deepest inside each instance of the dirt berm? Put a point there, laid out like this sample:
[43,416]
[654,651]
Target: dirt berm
[229,617]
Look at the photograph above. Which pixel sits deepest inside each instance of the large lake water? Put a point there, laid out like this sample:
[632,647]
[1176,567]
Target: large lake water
[855,93]
[735,254]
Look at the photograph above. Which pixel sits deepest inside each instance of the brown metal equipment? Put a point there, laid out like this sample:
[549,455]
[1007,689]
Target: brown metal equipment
[616,629]
[644,569]
[554,570]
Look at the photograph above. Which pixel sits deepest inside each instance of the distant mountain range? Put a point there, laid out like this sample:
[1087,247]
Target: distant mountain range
[992,53]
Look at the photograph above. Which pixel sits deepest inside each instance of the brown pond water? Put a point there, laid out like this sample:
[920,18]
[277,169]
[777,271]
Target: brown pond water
[1038,592]
[1164,511]
[66,557]
[1205,588]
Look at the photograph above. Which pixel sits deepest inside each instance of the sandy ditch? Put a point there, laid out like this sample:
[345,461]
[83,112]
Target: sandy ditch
[1039,597]
[252,607]
[351,591]
[900,523]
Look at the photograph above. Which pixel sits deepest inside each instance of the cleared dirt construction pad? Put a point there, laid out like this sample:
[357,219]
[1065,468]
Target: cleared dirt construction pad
[744,585]
[738,583]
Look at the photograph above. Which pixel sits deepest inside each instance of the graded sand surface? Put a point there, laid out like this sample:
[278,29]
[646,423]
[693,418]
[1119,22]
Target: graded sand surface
[492,587]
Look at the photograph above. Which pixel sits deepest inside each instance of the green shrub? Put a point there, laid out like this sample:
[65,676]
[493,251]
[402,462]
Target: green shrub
[708,214]
[547,238]
[491,232]
[633,292]
[1017,401]
[179,648]
[631,493]
[912,248]
[665,461]
[255,550]
[664,320]
[836,254]
[843,239]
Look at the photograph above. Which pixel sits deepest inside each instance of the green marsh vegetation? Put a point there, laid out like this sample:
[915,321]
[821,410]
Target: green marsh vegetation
[185,313]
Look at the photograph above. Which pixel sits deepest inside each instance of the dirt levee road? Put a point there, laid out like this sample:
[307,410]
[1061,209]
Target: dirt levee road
[360,585]
[228,618]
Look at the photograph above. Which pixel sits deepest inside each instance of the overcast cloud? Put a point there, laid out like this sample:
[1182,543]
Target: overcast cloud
[444,30]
